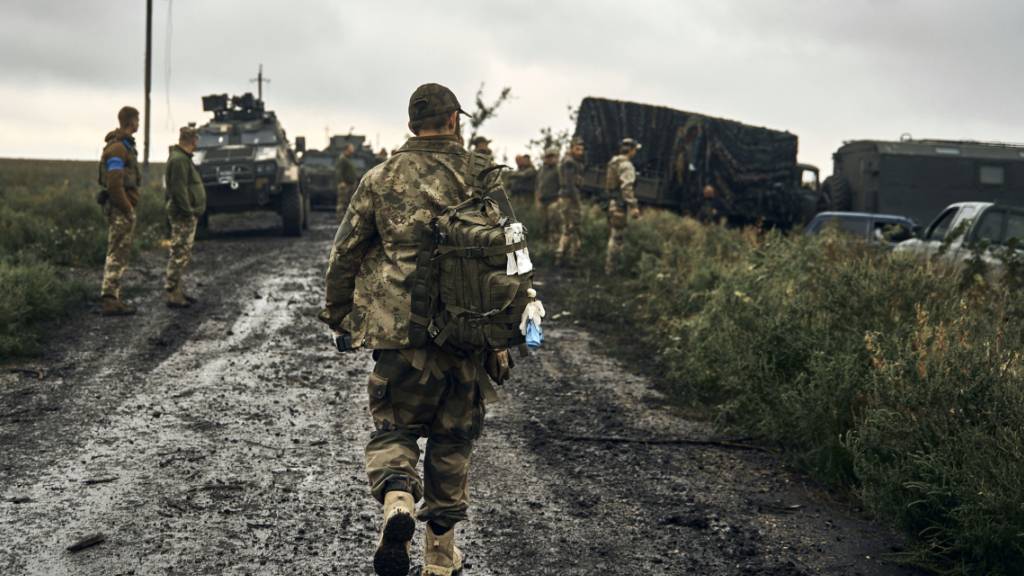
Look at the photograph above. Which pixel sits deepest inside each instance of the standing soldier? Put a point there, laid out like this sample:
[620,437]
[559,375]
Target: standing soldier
[415,390]
[186,202]
[620,183]
[346,171]
[523,181]
[119,179]
[546,194]
[570,178]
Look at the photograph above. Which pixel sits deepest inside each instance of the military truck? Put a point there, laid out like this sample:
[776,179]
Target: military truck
[754,170]
[318,168]
[919,178]
[246,164]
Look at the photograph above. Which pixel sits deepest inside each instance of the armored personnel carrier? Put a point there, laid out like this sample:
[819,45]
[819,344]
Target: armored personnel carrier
[919,178]
[246,163]
[319,172]
[754,170]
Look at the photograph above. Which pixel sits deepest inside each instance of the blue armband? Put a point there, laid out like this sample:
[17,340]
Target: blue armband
[114,163]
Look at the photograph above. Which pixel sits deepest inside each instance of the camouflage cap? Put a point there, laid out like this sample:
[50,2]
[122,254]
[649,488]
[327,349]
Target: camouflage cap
[480,140]
[577,141]
[630,143]
[551,151]
[433,100]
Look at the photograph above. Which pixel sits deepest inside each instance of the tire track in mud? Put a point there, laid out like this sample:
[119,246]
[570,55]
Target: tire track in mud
[235,447]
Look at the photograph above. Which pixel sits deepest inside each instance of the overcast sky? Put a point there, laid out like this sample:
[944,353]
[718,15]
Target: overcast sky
[826,70]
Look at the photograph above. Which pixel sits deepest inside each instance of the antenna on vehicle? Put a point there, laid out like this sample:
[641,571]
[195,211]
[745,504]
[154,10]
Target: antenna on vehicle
[259,80]
[906,137]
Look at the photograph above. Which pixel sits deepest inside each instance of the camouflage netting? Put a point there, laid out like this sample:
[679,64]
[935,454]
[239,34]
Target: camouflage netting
[751,167]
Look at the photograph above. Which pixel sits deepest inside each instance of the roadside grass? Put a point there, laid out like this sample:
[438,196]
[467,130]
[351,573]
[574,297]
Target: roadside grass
[895,378]
[50,223]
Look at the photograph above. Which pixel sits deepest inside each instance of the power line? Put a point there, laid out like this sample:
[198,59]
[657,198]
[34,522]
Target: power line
[167,64]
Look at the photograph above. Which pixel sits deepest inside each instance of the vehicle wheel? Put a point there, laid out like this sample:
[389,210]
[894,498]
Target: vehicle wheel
[291,211]
[203,226]
[307,211]
[836,194]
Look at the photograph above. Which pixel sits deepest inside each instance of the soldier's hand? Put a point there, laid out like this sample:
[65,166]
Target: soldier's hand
[498,364]
[634,212]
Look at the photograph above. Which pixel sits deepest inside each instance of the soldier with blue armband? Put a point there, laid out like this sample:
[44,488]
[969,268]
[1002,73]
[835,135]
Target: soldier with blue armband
[119,180]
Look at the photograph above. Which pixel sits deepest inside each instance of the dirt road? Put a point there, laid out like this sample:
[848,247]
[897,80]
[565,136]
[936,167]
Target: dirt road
[227,439]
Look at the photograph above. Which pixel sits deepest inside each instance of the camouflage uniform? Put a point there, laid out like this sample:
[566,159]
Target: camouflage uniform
[186,202]
[521,183]
[621,184]
[119,177]
[412,392]
[570,178]
[546,195]
[346,171]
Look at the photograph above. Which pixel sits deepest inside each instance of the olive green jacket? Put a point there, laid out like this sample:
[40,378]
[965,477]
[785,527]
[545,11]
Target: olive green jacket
[186,195]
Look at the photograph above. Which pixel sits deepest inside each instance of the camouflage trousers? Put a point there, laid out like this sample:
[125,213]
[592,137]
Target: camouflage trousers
[552,221]
[120,231]
[344,197]
[617,221]
[183,236]
[438,403]
[570,220]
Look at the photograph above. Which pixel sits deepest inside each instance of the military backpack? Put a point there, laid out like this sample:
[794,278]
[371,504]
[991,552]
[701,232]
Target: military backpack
[472,274]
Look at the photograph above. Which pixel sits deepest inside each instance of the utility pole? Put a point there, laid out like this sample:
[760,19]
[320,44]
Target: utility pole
[259,80]
[149,79]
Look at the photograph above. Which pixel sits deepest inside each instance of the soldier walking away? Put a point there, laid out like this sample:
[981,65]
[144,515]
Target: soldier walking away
[119,180]
[186,202]
[570,178]
[347,179]
[546,195]
[620,182]
[385,279]
[482,145]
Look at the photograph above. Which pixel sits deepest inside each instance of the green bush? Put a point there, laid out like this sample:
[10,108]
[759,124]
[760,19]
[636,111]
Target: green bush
[33,293]
[49,218]
[897,378]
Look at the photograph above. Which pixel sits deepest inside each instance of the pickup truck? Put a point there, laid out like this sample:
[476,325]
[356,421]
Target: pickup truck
[964,224]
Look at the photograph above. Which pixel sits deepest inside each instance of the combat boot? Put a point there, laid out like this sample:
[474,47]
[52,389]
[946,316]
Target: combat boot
[440,556]
[176,299]
[392,555]
[116,307]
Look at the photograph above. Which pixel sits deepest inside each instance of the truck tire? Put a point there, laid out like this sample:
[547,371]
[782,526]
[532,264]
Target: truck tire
[307,210]
[291,211]
[203,226]
[836,194]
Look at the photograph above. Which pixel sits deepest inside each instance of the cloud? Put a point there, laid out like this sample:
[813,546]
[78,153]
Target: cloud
[827,70]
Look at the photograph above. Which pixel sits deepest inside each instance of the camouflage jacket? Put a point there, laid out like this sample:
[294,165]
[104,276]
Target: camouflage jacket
[547,183]
[621,180]
[375,248]
[119,170]
[570,178]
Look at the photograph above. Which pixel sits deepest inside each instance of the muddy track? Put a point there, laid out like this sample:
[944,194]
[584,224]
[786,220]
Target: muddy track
[228,440]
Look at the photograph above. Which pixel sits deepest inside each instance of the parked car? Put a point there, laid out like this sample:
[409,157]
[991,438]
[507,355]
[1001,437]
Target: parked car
[884,229]
[965,224]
